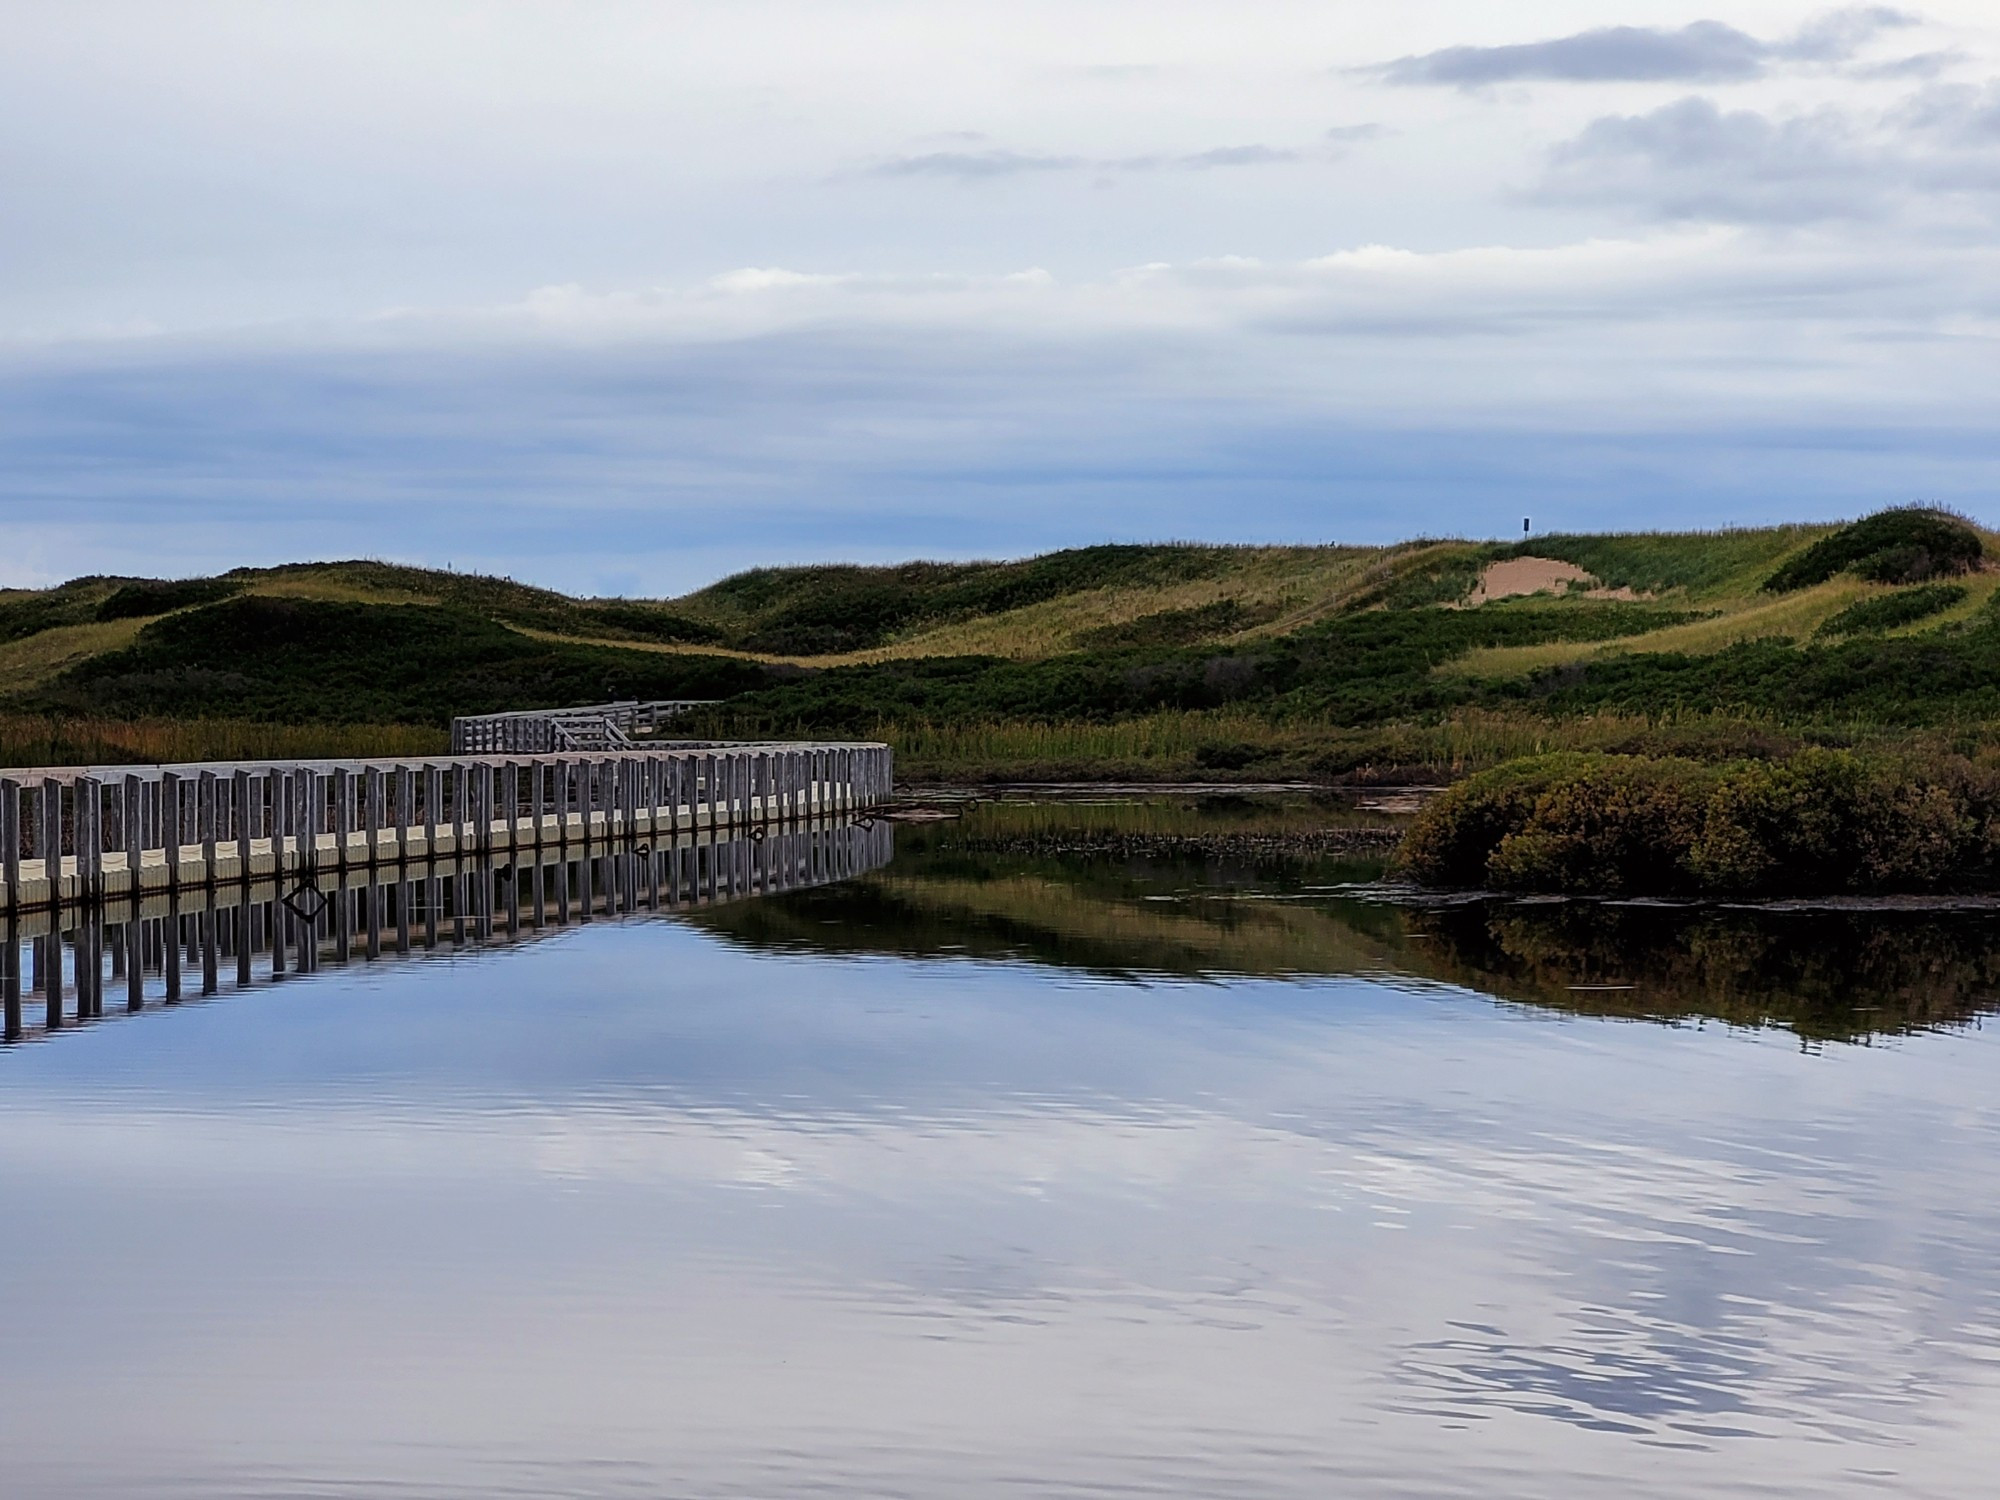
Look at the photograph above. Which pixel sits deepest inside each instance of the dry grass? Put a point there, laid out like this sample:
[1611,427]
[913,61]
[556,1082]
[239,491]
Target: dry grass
[33,660]
[73,740]
[1758,617]
[1298,584]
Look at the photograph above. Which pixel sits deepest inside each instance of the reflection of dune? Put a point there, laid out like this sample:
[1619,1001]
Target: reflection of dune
[1033,918]
[1827,976]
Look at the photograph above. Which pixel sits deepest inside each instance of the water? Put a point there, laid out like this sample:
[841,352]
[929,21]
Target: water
[1079,1151]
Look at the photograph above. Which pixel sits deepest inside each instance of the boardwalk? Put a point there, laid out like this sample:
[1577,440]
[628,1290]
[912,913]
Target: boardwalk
[77,836]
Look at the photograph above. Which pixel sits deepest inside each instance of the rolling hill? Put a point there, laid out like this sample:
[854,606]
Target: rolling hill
[1164,659]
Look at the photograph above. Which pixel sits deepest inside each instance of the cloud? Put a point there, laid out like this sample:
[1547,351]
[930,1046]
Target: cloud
[1701,52]
[1716,373]
[986,166]
[1693,160]
[1930,155]
[976,166]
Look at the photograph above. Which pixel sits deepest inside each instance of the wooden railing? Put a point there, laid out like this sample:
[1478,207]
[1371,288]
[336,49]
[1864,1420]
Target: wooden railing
[594,726]
[78,835]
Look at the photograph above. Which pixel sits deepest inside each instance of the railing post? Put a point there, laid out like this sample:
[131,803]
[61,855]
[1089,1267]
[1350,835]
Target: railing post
[371,797]
[170,825]
[243,833]
[406,800]
[48,842]
[205,818]
[89,838]
[433,790]
[343,813]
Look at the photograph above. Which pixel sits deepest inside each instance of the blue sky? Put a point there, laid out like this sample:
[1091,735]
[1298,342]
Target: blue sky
[623,297]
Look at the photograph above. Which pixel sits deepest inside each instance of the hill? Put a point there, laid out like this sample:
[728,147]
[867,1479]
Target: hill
[1112,660]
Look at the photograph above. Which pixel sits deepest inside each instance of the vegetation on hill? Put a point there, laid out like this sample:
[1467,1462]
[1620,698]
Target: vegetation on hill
[1165,661]
[308,661]
[1892,611]
[1893,546]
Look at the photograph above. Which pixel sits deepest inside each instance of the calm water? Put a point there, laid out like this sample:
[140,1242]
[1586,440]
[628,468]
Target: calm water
[1079,1151]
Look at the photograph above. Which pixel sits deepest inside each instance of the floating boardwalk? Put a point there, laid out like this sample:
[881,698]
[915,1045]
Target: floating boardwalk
[291,847]
[75,836]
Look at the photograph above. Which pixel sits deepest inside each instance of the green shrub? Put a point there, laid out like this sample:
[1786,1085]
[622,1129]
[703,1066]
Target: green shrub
[148,596]
[1906,545]
[1816,822]
[1887,611]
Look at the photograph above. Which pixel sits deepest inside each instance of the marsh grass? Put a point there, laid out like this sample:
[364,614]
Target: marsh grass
[28,740]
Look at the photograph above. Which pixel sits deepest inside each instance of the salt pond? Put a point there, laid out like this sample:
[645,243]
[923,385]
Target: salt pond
[1067,1154]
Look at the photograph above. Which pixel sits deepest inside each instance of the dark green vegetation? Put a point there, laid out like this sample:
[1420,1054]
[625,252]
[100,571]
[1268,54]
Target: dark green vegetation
[1821,821]
[302,660]
[1892,546]
[1366,667]
[1170,661]
[1950,676]
[1892,611]
[827,610]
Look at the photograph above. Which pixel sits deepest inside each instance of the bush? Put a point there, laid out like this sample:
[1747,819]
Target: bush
[148,596]
[1887,611]
[1817,822]
[1906,545]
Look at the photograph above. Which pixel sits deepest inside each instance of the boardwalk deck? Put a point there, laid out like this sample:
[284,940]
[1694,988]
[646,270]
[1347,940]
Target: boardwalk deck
[82,835]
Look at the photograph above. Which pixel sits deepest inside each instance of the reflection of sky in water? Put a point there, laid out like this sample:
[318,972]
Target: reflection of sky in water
[631,1212]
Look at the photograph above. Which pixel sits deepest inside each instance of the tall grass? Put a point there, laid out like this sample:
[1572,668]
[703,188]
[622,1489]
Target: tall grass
[1231,745]
[81,740]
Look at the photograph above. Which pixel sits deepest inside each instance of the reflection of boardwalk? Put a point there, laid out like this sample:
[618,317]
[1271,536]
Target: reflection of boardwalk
[64,967]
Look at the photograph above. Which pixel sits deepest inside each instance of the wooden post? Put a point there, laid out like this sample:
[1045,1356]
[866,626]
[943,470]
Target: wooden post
[372,797]
[205,803]
[433,790]
[170,826]
[51,842]
[406,799]
[135,840]
[343,813]
[510,777]
[242,801]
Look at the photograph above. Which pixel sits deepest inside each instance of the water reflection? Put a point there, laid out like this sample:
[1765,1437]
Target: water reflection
[1206,1179]
[1088,889]
[56,970]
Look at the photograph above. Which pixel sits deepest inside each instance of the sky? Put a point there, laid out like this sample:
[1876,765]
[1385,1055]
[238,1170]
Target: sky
[619,298]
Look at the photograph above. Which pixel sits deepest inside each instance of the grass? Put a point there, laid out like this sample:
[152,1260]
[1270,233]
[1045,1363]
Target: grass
[33,660]
[1169,661]
[1702,565]
[64,739]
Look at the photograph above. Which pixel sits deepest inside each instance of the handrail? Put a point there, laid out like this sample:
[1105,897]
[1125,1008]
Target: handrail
[77,835]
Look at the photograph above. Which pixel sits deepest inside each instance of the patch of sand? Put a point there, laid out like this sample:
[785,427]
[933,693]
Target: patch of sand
[1538,575]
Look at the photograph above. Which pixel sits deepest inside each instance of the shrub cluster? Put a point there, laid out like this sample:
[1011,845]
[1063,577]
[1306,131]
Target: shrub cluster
[1892,546]
[1818,822]
[1887,611]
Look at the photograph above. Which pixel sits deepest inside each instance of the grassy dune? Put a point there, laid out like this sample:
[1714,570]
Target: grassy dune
[1144,661]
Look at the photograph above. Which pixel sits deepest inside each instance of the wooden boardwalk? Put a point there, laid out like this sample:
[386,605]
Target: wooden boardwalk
[77,836]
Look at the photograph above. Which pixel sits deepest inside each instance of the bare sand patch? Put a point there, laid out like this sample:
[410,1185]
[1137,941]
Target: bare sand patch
[1539,575]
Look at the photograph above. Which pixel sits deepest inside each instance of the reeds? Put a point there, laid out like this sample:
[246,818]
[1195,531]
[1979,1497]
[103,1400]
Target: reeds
[83,740]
